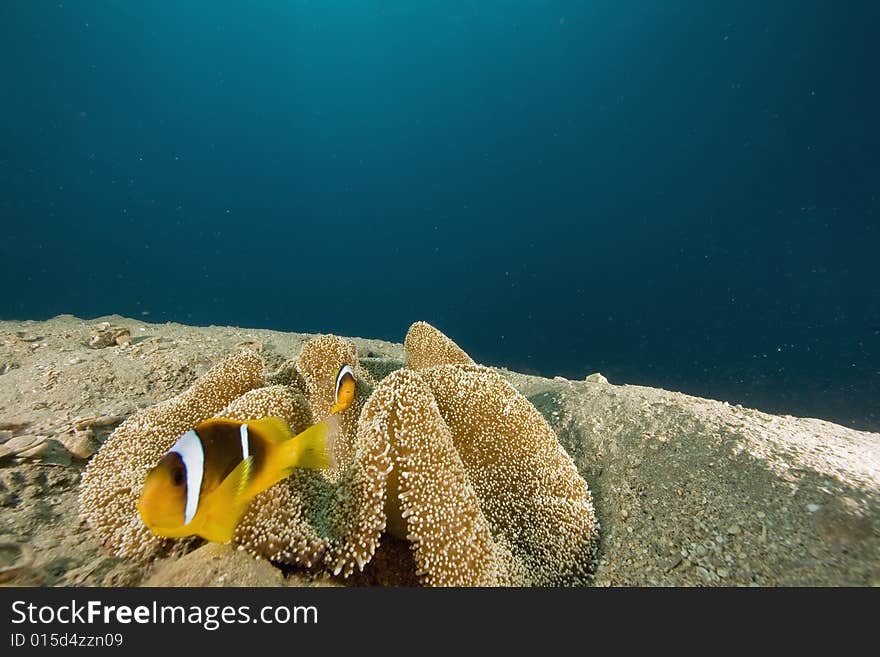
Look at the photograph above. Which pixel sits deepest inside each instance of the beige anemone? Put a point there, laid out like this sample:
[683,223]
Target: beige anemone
[538,508]
[444,454]
[425,347]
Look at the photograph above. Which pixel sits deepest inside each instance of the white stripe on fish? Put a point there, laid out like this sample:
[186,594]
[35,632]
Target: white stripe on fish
[192,453]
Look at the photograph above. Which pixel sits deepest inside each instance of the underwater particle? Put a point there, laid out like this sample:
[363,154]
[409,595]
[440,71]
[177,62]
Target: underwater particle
[426,347]
[113,479]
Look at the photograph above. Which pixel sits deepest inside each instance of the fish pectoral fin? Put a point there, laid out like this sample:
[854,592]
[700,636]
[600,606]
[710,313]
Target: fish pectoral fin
[224,507]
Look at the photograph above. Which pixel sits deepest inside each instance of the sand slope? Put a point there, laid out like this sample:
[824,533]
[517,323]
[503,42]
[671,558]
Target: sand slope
[689,491]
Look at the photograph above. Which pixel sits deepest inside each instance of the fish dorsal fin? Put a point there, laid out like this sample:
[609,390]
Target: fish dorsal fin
[272,428]
[213,421]
[224,506]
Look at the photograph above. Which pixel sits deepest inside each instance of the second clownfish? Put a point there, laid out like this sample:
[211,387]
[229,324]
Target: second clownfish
[345,389]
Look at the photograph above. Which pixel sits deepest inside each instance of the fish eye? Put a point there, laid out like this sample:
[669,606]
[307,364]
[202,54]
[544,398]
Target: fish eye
[178,476]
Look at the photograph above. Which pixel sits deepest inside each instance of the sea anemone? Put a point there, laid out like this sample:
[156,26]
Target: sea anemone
[425,347]
[443,453]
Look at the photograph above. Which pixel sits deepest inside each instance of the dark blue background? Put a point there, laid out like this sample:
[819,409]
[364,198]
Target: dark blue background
[679,194]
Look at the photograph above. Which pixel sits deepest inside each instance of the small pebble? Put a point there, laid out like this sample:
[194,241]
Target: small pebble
[48,451]
[100,340]
[81,444]
[812,508]
[105,335]
[22,443]
[672,563]
[15,559]
[82,424]
[252,345]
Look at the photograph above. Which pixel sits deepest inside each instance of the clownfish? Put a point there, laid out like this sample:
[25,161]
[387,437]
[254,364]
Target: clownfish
[345,387]
[204,483]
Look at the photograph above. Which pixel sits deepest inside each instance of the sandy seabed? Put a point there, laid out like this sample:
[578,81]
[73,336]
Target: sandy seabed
[688,491]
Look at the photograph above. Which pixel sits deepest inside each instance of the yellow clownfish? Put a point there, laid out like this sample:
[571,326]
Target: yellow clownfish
[204,483]
[345,388]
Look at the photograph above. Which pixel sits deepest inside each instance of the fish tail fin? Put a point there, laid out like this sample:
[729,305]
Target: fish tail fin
[226,504]
[313,448]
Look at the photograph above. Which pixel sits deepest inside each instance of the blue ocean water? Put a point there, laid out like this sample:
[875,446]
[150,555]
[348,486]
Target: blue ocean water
[675,193]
